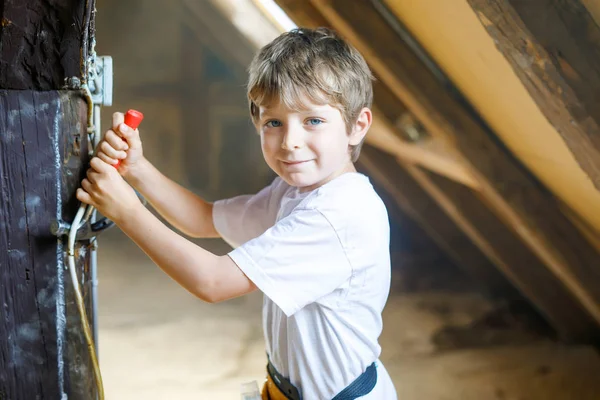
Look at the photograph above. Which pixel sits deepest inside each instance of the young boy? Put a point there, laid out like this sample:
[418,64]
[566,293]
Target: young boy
[315,241]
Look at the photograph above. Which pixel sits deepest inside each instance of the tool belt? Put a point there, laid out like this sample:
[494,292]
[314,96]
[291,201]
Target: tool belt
[277,387]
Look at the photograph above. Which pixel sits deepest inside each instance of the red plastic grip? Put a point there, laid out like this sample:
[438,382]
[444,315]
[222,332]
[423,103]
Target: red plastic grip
[133,118]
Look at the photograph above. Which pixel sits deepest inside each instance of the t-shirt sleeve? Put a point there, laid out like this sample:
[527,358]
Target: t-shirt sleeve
[245,217]
[295,262]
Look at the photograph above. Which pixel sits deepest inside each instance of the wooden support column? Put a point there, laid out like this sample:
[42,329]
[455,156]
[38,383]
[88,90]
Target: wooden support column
[507,189]
[554,48]
[43,157]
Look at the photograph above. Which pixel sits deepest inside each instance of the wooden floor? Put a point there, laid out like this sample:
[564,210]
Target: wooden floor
[158,342]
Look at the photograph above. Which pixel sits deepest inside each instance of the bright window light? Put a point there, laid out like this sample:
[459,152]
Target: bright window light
[277,14]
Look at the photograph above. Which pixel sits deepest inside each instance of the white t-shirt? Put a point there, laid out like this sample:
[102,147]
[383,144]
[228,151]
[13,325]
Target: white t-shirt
[322,261]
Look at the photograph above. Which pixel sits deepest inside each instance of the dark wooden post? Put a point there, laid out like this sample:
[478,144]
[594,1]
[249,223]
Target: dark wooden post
[43,154]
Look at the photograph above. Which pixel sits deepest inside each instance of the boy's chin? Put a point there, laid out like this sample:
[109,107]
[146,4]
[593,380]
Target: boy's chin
[299,181]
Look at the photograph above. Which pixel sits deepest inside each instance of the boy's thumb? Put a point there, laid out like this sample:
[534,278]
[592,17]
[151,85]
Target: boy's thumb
[126,131]
[131,136]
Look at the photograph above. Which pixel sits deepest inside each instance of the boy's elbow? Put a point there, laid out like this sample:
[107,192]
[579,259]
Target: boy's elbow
[225,281]
[212,297]
[207,292]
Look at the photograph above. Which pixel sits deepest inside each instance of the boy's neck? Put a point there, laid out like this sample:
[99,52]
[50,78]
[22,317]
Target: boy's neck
[348,168]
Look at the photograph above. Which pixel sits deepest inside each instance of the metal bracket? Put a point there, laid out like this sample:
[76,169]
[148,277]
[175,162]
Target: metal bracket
[87,231]
[100,81]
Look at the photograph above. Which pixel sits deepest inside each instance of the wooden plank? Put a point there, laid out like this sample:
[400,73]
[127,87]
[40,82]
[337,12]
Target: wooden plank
[510,190]
[26,332]
[42,352]
[41,45]
[554,48]
[430,154]
[421,207]
[394,111]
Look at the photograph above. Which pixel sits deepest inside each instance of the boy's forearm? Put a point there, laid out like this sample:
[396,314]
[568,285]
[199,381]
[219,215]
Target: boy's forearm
[209,277]
[188,264]
[180,207]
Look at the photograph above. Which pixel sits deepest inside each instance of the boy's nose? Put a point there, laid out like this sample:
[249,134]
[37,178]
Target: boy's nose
[293,139]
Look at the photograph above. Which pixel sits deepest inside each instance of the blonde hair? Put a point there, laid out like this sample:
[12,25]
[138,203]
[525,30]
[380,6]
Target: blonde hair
[315,64]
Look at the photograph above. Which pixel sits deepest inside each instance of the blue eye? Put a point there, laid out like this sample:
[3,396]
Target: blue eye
[314,121]
[273,124]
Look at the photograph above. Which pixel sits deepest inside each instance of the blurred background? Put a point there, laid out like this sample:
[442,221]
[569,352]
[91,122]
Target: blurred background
[446,335]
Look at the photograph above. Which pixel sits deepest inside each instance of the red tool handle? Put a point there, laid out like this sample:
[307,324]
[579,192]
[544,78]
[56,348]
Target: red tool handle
[133,118]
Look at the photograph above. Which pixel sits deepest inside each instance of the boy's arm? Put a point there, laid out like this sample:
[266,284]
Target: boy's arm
[183,209]
[210,277]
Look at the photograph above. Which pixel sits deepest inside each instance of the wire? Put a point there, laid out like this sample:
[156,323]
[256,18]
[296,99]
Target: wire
[83,213]
[79,299]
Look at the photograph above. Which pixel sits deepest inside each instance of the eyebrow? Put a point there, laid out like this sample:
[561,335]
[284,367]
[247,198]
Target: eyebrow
[318,109]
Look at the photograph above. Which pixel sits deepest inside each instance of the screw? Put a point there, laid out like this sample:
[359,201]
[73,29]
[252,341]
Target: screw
[59,228]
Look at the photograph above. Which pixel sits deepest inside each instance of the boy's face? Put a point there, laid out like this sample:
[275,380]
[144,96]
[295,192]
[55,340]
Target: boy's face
[307,148]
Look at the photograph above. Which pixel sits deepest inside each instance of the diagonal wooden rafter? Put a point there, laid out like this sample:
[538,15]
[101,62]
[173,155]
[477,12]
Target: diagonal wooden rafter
[428,153]
[391,174]
[554,49]
[510,191]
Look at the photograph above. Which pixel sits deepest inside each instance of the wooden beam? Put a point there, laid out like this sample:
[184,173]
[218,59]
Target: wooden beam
[407,193]
[388,106]
[429,154]
[511,191]
[32,56]
[43,156]
[554,48]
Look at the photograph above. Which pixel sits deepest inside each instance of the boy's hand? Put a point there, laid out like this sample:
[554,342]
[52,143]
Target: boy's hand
[121,143]
[107,191]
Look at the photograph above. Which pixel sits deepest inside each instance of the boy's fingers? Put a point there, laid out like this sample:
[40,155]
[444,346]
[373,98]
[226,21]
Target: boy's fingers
[100,166]
[86,185]
[83,196]
[116,141]
[110,151]
[106,158]
[93,175]
[117,119]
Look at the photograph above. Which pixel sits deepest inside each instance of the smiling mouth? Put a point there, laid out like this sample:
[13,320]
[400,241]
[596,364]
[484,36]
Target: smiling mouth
[294,162]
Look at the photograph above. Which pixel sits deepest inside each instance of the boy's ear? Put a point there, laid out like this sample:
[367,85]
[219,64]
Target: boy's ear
[361,126]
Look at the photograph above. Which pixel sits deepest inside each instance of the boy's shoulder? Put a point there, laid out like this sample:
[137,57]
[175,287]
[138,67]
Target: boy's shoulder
[353,187]
[350,199]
